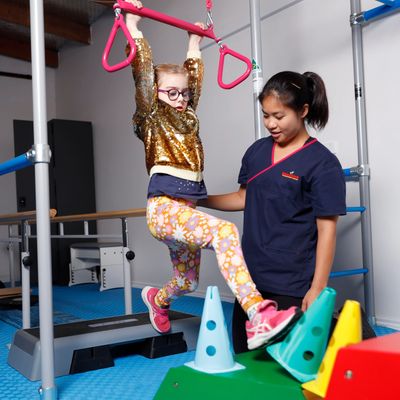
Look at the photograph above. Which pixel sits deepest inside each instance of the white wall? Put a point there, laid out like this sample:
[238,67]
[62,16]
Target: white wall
[15,103]
[381,41]
[297,35]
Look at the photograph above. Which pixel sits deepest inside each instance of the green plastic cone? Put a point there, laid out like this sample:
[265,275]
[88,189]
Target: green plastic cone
[302,351]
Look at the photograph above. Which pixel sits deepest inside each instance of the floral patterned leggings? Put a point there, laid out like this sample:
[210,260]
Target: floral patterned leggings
[186,231]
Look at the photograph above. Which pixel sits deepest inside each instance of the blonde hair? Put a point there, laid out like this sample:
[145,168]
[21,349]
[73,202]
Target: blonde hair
[161,69]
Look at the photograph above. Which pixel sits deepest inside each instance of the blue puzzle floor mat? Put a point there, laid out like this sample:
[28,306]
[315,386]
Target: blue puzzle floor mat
[133,377]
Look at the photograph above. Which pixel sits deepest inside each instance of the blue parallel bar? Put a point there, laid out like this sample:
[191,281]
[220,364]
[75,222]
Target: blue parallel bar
[14,164]
[355,209]
[350,172]
[379,11]
[348,272]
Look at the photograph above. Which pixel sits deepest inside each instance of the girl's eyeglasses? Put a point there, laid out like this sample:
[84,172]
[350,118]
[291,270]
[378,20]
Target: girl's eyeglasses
[173,94]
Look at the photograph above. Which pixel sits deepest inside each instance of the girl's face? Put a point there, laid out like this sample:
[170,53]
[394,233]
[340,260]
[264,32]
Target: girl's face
[283,123]
[178,82]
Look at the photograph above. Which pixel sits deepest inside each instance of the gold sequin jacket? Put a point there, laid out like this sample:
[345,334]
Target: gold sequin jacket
[171,137]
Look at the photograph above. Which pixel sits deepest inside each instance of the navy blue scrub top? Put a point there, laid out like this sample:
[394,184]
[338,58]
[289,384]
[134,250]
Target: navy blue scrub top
[283,201]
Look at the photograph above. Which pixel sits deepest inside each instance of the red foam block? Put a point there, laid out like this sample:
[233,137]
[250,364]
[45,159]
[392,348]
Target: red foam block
[369,370]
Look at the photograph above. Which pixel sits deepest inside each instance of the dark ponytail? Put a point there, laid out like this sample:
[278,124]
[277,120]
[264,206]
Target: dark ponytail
[295,90]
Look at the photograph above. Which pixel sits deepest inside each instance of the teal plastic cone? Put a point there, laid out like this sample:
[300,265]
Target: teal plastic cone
[213,350]
[303,349]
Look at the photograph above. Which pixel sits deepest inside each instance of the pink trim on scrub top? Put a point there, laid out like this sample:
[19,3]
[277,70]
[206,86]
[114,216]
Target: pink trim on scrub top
[283,159]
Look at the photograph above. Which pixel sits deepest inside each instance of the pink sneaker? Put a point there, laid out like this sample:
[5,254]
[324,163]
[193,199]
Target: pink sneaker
[158,316]
[269,324]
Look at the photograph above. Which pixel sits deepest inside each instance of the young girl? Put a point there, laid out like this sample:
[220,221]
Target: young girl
[292,192]
[165,120]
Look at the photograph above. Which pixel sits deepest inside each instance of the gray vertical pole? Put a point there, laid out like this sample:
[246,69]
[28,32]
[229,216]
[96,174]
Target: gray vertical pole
[257,62]
[366,231]
[11,257]
[127,269]
[48,389]
[25,277]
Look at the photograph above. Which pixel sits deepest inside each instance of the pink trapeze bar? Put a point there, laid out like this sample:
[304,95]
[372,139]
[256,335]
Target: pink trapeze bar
[167,19]
[118,23]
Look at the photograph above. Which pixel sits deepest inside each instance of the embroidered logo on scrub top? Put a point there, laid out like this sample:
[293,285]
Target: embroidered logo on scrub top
[290,175]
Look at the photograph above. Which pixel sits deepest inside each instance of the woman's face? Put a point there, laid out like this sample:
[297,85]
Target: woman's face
[282,122]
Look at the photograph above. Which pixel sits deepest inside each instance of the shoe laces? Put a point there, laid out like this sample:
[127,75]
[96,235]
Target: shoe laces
[162,311]
[259,326]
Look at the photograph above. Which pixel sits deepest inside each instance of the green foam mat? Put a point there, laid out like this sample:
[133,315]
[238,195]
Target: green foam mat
[262,378]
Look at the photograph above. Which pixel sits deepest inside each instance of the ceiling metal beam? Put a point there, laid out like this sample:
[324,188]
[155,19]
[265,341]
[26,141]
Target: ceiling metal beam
[55,23]
[22,50]
[15,75]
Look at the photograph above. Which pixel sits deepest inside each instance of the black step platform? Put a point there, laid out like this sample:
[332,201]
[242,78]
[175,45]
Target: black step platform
[79,346]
